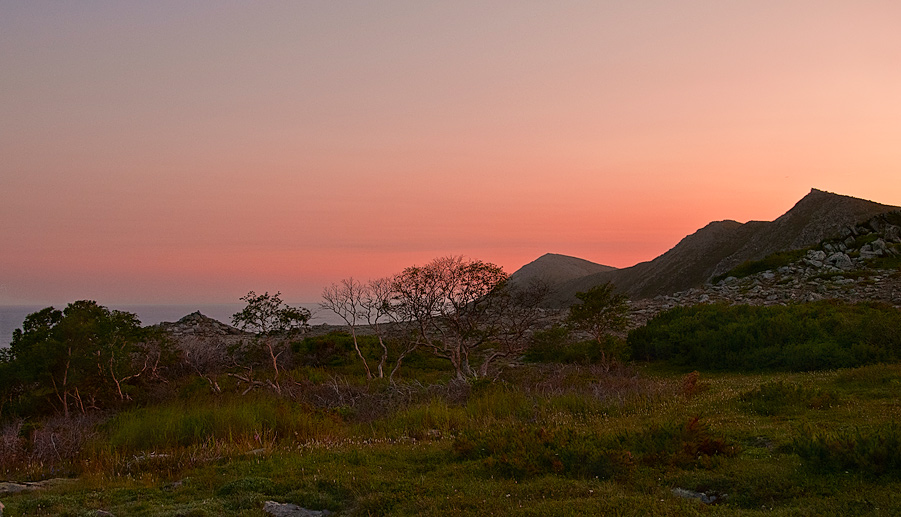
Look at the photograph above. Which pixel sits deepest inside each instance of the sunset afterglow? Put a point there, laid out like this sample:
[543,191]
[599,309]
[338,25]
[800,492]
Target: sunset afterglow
[171,152]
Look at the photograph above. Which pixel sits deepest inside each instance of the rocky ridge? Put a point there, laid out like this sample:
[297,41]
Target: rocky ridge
[846,267]
[722,245]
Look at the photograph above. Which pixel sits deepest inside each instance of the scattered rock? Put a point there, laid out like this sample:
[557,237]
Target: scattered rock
[291,510]
[701,496]
[14,488]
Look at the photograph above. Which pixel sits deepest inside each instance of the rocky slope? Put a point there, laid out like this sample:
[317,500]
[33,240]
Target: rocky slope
[721,245]
[861,263]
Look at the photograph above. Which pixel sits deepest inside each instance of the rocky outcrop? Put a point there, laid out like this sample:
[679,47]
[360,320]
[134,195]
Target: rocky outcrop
[196,324]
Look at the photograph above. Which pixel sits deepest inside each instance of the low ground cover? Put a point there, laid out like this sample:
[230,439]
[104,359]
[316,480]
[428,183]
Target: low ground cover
[541,439]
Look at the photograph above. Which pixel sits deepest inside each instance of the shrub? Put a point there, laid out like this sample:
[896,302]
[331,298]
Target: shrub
[689,444]
[874,452]
[555,345]
[519,452]
[333,349]
[802,337]
[779,397]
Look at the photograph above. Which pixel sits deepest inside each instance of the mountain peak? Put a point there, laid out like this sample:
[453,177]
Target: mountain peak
[556,268]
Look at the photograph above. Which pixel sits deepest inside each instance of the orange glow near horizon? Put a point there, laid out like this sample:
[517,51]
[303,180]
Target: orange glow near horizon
[163,153]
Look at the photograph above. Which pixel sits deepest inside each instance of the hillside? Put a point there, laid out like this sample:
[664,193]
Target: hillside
[720,246]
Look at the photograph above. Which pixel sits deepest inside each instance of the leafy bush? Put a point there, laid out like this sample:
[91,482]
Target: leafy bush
[689,444]
[555,345]
[874,452]
[779,397]
[802,337]
[519,452]
[333,349]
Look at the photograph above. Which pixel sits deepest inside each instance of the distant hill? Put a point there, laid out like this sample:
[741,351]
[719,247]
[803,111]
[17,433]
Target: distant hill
[556,269]
[722,245]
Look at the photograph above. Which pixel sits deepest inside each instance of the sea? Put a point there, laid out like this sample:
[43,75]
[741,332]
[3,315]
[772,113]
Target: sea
[12,316]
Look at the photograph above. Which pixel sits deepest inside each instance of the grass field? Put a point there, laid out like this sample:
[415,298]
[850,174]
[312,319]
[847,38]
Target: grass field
[540,440]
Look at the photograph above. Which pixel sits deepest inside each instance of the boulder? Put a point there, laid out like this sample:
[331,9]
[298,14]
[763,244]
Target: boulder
[840,261]
[817,255]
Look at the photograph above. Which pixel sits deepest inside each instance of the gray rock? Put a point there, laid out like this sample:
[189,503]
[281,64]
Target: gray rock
[13,488]
[701,496]
[840,261]
[291,510]
[817,255]
[892,233]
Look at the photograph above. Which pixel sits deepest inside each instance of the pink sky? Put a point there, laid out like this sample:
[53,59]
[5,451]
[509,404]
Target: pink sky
[171,152]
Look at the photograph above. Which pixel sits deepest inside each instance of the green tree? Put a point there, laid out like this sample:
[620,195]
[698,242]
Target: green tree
[79,357]
[273,322]
[600,311]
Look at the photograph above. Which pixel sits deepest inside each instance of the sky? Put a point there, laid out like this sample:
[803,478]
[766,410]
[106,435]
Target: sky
[188,152]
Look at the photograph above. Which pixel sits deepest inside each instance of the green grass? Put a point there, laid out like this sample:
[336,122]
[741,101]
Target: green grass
[540,441]
[770,262]
[231,419]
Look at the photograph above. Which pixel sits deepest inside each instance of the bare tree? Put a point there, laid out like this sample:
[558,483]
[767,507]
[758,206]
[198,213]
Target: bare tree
[347,300]
[207,357]
[447,302]
[516,312]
